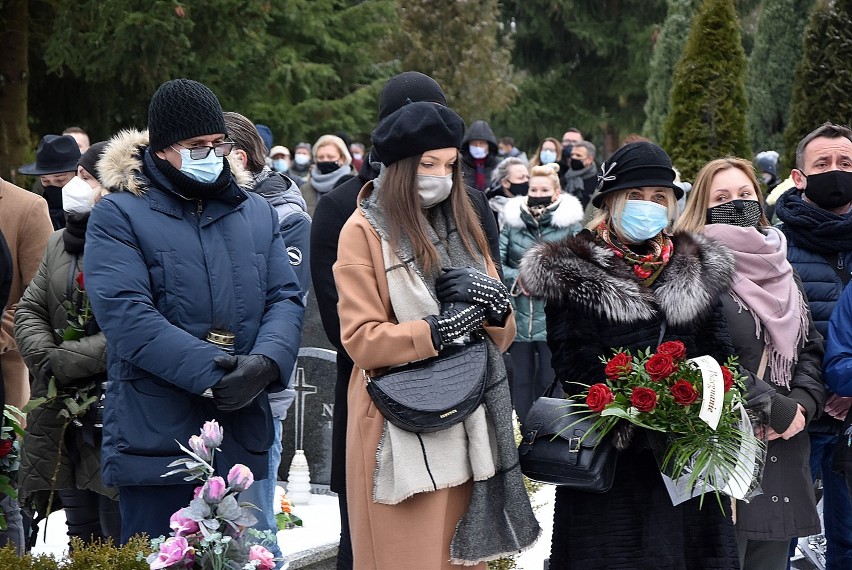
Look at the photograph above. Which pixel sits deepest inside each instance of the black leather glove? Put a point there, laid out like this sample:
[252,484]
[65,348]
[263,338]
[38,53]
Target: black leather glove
[467,285]
[247,376]
[454,322]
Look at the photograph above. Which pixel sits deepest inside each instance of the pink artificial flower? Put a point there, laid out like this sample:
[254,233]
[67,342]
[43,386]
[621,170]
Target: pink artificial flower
[212,434]
[240,477]
[197,492]
[214,490]
[174,550]
[198,447]
[182,525]
[262,555]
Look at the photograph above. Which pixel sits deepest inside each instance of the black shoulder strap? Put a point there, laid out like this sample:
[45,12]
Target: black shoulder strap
[836,263]
[72,273]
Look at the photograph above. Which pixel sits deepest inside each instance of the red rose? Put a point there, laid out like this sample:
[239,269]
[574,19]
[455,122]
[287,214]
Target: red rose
[618,365]
[599,396]
[659,366]
[728,378]
[5,447]
[80,281]
[643,399]
[684,393]
[673,348]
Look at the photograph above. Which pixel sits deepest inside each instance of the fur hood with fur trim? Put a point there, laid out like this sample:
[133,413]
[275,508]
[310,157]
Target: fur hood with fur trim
[578,271]
[568,212]
[120,166]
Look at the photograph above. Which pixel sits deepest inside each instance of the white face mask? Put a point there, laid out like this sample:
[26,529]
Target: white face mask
[477,151]
[433,189]
[205,170]
[77,196]
[302,159]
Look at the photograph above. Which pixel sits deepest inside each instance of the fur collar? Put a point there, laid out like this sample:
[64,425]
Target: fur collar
[580,272]
[120,166]
[568,211]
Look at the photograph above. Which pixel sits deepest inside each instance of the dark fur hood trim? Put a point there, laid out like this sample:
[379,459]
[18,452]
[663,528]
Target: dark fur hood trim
[579,272]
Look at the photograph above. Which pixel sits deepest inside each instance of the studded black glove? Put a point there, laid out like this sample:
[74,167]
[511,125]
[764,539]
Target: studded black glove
[467,285]
[454,322]
[247,376]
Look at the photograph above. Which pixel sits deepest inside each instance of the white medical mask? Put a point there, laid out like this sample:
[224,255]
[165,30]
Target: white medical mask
[477,151]
[433,189]
[205,170]
[280,165]
[77,196]
[641,220]
[547,156]
[302,159]
[357,156]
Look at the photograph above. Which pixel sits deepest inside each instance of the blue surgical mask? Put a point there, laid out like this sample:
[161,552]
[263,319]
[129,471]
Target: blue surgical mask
[477,151]
[641,220]
[280,165]
[547,156]
[205,170]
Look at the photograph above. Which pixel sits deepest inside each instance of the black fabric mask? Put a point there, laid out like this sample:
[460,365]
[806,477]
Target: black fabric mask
[577,164]
[830,189]
[539,201]
[519,189]
[327,167]
[743,213]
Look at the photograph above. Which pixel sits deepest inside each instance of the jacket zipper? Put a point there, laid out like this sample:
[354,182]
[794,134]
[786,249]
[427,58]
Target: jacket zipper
[530,328]
[840,260]
[199,208]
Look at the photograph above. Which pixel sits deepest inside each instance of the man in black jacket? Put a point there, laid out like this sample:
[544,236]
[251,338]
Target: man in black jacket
[332,211]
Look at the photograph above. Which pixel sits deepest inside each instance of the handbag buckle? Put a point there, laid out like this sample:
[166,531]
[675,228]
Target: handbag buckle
[529,438]
[574,443]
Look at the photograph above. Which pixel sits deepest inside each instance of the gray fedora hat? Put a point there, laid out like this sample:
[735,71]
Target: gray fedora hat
[55,154]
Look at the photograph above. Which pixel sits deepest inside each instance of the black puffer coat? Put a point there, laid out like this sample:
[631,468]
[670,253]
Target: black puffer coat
[595,304]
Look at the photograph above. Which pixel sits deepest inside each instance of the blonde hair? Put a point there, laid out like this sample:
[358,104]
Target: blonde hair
[550,171]
[334,140]
[694,216]
[613,206]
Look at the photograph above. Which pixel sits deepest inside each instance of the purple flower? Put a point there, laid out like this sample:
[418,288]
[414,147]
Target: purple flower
[240,477]
[199,448]
[182,525]
[214,490]
[174,550]
[212,434]
[262,555]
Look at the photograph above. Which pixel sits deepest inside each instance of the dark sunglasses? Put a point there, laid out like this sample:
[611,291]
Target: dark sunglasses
[198,152]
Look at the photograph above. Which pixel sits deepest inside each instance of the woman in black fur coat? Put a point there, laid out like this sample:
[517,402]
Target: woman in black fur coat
[626,282]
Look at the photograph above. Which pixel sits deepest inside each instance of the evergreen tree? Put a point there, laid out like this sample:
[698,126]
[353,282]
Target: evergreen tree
[586,66]
[707,113]
[461,46]
[823,79]
[777,46]
[667,52]
[15,144]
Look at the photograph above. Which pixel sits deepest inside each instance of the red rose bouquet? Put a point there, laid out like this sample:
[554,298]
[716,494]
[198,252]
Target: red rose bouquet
[698,408]
[10,454]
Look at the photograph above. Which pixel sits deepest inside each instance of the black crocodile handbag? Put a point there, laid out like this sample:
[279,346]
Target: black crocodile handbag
[432,394]
[557,448]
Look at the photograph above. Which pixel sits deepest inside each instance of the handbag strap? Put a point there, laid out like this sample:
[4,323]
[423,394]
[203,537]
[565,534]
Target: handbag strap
[549,392]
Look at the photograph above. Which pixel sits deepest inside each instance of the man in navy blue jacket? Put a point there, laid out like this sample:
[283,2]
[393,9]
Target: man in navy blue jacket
[190,281]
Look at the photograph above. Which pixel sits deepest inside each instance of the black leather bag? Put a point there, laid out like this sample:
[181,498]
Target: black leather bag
[554,451]
[432,394]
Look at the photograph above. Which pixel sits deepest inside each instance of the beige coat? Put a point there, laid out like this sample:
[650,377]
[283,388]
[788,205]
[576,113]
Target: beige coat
[26,226]
[415,533]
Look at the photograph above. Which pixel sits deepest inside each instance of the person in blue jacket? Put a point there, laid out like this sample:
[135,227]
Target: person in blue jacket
[189,280]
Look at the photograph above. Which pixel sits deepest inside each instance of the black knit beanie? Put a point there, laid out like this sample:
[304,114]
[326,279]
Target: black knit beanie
[416,128]
[636,165]
[90,159]
[181,109]
[409,87]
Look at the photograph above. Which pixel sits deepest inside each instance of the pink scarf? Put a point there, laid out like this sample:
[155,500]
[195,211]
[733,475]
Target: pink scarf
[763,284]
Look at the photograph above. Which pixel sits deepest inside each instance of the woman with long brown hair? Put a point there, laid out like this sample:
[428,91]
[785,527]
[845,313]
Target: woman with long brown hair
[414,275]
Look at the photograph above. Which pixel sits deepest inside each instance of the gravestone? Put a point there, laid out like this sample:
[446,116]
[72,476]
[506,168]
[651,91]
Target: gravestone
[309,420]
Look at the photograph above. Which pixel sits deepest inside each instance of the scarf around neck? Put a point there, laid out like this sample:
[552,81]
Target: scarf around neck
[763,284]
[323,183]
[483,446]
[812,227]
[646,267]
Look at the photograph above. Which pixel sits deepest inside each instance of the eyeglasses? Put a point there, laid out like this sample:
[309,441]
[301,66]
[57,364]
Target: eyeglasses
[198,152]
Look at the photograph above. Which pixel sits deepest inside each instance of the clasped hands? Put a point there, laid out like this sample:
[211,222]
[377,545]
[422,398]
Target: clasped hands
[246,376]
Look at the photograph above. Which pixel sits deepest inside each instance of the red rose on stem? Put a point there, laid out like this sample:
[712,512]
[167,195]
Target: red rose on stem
[659,366]
[5,447]
[728,377]
[684,393]
[643,399]
[80,281]
[599,396]
[673,348]
[618,365]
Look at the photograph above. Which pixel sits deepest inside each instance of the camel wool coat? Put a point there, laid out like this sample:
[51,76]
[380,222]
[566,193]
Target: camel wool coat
[415,533]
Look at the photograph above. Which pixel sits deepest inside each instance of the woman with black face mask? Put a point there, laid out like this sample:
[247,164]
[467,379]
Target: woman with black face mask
[332,166]
[776,341]
[544,214]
